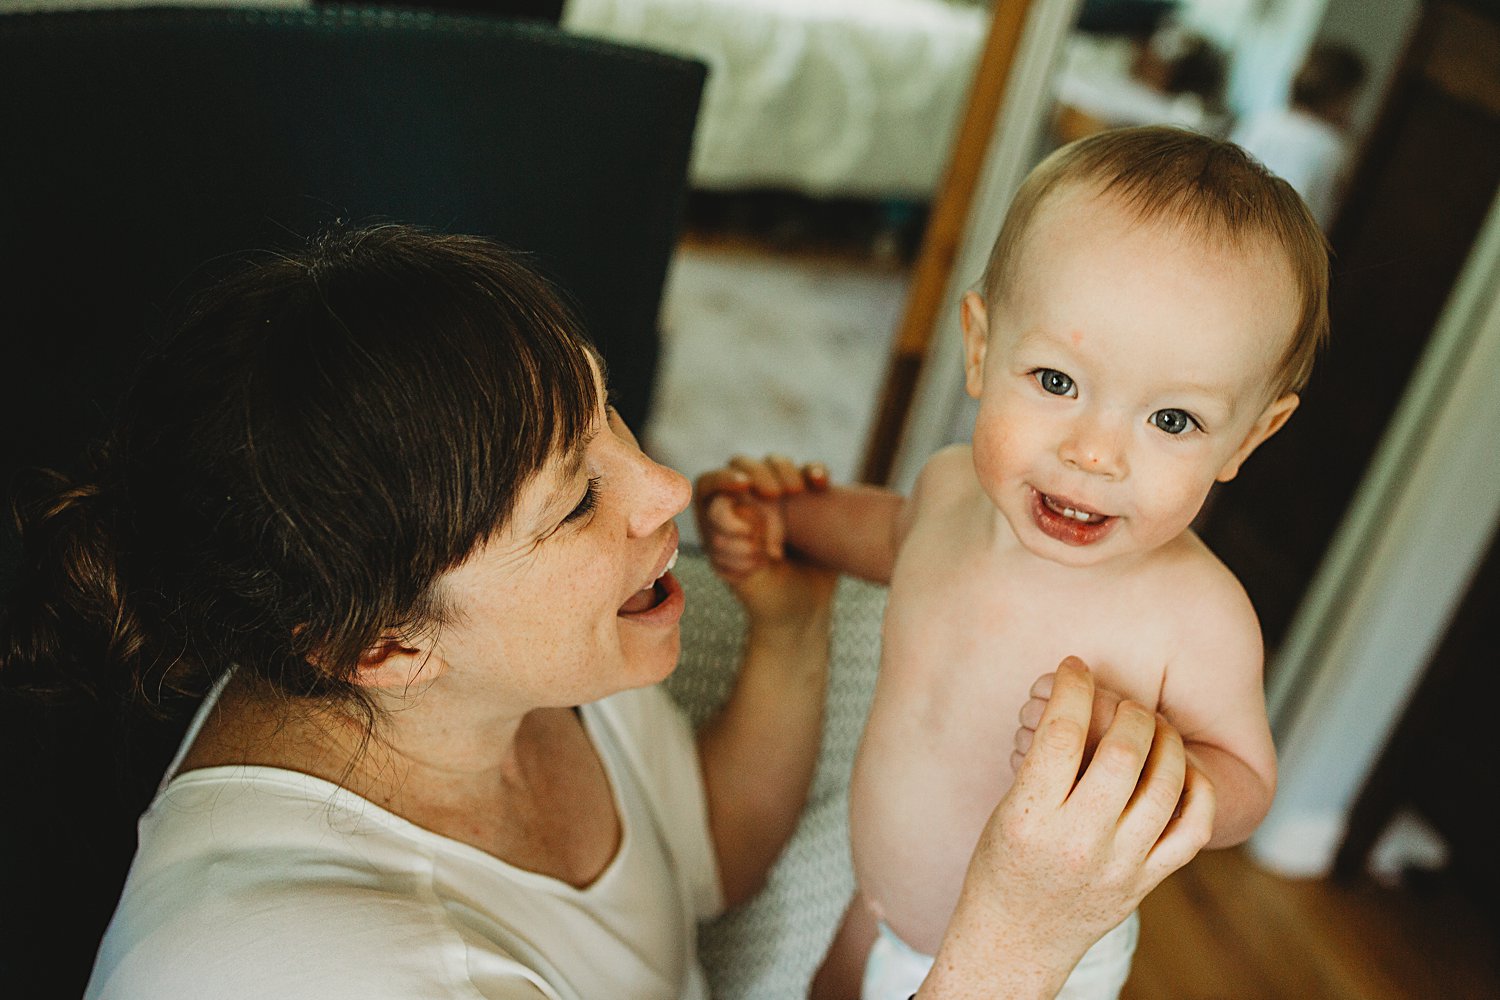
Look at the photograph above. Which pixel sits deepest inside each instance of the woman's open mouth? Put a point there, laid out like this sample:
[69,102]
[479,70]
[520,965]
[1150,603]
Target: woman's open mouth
[661,598]
[1067,521]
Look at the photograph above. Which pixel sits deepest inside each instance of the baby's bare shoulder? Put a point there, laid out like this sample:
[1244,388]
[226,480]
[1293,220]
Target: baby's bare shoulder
[1213,688]
[945,492]
[1200,567]
[947,478]
[1214,615]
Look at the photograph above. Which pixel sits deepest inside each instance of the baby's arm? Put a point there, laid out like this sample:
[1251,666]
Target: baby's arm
[1214,693]
[753,510]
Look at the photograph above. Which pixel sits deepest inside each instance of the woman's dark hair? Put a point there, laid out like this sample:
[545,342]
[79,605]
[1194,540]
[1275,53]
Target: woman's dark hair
[324,434]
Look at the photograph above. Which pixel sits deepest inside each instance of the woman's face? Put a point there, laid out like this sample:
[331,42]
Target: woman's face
[572,600]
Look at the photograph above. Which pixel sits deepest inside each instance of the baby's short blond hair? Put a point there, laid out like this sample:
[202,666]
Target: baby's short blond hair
[1179,177]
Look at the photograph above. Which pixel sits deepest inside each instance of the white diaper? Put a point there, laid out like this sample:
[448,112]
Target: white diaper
[895,971]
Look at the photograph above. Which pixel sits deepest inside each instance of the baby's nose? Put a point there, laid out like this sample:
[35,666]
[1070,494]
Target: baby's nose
[1096,448]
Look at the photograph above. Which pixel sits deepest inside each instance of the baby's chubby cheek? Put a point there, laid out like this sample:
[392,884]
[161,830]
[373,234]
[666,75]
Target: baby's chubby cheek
[998,453]
[991,473]
[1165,512]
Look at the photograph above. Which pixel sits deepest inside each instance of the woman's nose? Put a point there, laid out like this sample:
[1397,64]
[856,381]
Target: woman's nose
[1095,446]
[664,493]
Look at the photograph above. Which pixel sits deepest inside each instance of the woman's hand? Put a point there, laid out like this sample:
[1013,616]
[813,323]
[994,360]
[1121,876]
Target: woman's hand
[1065,857]
[1105,704]
[740,509]
[741,519]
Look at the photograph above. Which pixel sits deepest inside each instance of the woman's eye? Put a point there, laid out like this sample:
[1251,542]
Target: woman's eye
[1173,421]
[1055,382]
[588,503]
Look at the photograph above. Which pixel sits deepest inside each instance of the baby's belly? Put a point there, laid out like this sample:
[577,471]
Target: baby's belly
[959,657]
[934,761]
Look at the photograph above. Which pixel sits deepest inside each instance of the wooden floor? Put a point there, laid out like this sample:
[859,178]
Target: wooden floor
[1224,929]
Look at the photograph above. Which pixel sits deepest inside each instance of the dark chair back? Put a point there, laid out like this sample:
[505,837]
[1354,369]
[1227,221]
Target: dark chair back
[143,146]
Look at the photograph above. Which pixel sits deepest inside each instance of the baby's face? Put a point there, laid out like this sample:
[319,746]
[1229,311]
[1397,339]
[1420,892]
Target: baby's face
[1129,368]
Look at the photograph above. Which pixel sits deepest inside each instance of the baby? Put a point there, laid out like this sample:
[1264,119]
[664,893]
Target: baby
[1151,308]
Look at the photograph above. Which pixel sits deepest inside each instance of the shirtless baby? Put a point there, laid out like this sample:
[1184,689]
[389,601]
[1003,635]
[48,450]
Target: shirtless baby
[1150,310]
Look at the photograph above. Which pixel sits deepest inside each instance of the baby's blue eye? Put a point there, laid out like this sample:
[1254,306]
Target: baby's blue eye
[1173,421]
[1055,381]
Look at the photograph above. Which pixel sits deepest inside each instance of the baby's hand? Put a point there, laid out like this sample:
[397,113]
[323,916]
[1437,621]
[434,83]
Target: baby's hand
[740,511]
[1105,704]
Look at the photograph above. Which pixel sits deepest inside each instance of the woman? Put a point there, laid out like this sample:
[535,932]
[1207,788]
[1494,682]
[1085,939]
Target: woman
[373,499]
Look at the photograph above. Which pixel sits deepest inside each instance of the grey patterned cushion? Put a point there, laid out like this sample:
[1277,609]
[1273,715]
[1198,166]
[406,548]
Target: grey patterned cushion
[769,948]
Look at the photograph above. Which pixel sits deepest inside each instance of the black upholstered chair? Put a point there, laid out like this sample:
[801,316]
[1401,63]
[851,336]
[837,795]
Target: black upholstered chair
[142,146]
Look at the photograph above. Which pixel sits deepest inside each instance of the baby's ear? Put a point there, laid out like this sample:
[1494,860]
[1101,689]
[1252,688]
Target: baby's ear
[1271,420]
[974,317]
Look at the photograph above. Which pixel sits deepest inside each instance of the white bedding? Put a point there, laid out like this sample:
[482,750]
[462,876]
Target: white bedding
[828,97]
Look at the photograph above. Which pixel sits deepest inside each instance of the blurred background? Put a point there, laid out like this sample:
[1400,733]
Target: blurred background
[853,160]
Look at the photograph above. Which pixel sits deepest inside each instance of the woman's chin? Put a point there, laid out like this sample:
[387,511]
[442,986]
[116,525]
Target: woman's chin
[671,656]
[651,658]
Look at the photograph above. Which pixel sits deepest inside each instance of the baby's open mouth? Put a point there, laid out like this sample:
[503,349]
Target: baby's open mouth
[1068,521]
[1077,513]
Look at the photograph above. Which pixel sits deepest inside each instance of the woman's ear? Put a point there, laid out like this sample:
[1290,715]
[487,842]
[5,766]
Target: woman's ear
[1271,420]
[396,661]
[974,318]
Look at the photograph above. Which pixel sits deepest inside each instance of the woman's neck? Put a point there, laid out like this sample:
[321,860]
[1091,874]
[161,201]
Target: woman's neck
[422,741]
[529,789]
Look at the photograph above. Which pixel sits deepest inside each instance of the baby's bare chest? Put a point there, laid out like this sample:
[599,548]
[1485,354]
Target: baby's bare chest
[966,641]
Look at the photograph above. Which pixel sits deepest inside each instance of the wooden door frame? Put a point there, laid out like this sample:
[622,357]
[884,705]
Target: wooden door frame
[1012,85]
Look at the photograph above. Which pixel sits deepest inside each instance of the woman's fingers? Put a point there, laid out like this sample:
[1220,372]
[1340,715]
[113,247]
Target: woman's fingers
[718,481]
[777,476]
[764,482]
[1051,766]
[788,477]
[1188,830]
[1113,774]
[740,513]
[1157,793]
